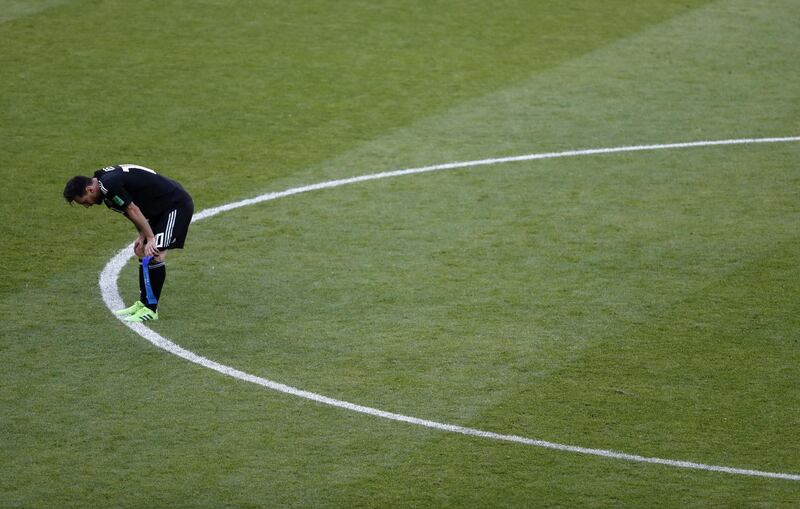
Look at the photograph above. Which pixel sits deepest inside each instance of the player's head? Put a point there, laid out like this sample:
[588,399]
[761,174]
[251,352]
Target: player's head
[83,190]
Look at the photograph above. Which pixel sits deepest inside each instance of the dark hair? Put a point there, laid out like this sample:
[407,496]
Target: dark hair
[76,187]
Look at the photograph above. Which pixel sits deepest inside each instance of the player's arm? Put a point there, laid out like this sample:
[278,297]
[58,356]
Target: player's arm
[133,213]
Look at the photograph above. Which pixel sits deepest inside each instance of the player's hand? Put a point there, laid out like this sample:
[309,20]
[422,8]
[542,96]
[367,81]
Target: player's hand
[150,248]
[138,246]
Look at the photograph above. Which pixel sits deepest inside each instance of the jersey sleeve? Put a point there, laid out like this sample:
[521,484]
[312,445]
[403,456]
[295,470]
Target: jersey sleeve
[113,189]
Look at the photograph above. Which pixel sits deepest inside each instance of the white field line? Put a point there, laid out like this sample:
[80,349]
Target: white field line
[112,299]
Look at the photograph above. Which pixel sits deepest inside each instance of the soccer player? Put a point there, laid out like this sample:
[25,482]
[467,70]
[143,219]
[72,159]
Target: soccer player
[160,209]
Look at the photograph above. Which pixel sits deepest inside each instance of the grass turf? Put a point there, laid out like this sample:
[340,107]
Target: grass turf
[641,302]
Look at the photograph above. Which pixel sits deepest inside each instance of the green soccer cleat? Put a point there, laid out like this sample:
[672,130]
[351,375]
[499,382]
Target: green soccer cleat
[131,310]
[144,314]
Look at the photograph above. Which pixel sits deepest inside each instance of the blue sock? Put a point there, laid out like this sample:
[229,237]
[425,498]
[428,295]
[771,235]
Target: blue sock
[152,281]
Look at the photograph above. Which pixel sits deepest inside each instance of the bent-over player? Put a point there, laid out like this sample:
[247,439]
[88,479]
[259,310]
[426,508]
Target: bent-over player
[160,209]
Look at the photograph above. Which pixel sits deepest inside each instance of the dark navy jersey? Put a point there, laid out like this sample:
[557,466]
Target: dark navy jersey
[154,194]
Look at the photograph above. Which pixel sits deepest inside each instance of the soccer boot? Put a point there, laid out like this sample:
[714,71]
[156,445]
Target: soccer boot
[130,310]
[144,314]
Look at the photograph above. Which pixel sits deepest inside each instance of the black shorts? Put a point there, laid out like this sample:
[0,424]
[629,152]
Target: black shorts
[172,227]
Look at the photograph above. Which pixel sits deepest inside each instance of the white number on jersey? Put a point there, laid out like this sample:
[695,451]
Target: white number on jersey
[127,167]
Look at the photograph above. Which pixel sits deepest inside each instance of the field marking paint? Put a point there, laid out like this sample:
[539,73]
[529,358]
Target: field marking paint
[112,299]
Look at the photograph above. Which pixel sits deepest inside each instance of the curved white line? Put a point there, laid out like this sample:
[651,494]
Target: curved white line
[112,299]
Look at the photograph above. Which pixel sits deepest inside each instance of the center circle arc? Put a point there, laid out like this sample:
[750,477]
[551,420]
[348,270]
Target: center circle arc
[110,293]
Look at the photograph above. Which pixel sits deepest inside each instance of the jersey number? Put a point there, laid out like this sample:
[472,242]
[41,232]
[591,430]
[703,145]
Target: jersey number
[127,167]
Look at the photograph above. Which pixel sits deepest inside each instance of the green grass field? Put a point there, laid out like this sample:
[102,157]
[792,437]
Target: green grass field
[641,302]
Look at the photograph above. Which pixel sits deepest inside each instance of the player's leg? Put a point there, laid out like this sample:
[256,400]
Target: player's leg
[154,273]
[155,268]
[138,250]
[170,231]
